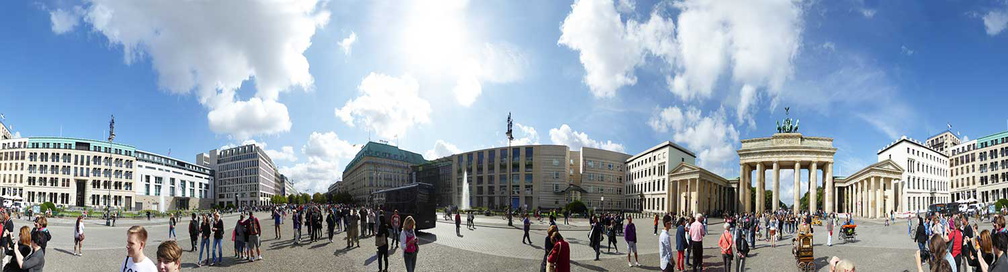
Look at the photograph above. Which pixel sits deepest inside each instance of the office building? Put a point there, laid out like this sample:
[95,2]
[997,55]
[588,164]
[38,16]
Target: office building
[164,183]
[925,178]
[244,176]
[647,176]
[602,177]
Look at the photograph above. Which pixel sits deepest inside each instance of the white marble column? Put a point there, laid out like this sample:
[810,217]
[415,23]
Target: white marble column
[695,196]
[776,186]
[760,187]
[873,198]
[890,196]
[879,199]
[797,187]
[829,190]
[740,193]
[813,187]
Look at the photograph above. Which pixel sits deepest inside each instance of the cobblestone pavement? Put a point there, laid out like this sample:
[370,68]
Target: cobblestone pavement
[879,248]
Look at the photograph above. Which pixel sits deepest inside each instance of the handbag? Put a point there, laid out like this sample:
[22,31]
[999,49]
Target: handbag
[551,267]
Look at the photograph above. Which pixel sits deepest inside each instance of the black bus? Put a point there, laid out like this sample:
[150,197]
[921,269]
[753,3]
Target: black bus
[415,200]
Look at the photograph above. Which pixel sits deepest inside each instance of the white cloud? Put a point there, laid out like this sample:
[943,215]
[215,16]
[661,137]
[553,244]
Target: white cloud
[564,135]
[710,38]
[326,155]
[441,149]
[626,6]
[243,119]
[712,138]
[747,98]
[328,145]
[906,50]
[497,63]
[64,21]
[347,43]
[17,135]
[286,153]
[868,13]
[232,42]
[387,105]
[995,21]
[829,46]
[610,50]
[524,135]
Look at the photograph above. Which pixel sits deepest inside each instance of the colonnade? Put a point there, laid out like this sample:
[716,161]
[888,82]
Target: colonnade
[745,196]
[872,197]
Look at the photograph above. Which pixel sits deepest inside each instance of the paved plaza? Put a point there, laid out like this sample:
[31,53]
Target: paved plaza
[492,246]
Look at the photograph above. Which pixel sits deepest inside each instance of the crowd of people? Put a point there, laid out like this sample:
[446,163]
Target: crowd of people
[952,243]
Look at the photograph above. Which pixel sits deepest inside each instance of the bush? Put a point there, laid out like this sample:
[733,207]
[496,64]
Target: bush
[1001,203]
[576,207]
[48,206]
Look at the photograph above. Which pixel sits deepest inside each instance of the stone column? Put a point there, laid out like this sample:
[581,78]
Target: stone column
[797,187]
[694,196]
[891,197]
[776,186]
[813,187]
[760,187]
[880,198]
[872,198]
[743,172]
[828,191]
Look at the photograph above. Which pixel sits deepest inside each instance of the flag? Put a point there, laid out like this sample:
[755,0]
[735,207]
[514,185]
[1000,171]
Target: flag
[509,122]
[949,125]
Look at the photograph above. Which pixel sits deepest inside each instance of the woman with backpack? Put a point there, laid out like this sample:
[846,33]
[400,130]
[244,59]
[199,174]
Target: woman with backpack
[381,241]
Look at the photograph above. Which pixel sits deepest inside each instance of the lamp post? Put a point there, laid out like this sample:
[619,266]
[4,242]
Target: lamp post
[603,203]
[108,201]
[510,137]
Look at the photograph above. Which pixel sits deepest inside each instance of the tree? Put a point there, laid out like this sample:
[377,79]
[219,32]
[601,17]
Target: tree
[767,199]
[343,198]
[305,198]
[819,200]
[278,199]
[318,198]
[1001,203]
[576,207]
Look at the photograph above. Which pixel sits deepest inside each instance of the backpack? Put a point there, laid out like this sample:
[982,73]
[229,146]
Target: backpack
[742,245]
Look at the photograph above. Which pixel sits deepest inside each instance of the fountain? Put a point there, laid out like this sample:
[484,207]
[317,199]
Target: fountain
[464,203]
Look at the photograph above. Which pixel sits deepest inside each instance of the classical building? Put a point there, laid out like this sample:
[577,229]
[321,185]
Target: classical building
[647,178]
[244,175]
[692,189]
[925,176]
[164,183]
[67,172]
[873,191]
[785,150]
[378,166]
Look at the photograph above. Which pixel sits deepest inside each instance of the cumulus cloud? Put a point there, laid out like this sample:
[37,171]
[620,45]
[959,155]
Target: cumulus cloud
[609,49]
[386,105]
[286,153]
[326,155]
[232,42]
[711,137]
[709,39]
[348,42]
[524,135]
[441,149]
[64,21]
[565,135]
[995,21]
[747,97]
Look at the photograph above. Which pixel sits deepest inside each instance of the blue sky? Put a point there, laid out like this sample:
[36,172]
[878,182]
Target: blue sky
[312,80]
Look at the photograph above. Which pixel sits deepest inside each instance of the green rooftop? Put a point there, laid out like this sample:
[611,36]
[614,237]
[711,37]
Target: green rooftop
[996,137]
[380,150]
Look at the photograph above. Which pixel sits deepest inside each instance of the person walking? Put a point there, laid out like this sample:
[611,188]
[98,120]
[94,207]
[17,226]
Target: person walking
[352,229]
[381,241]
[193,232]
[566,215]
[409,243]
[725,243]
[526,224]
[772,232]
[254,231]
[741,251]
[547,247]
[656,224]
[296,222]
[331,224]
[666,263]
[458,223]
[681,244]
[136,240]
[277,221]
[218,229]
[696,232]
[370,221]
[559,257]
[78,236]
[363,222]
[630,235]
[611,233]
[829,230]
[238,237]
[204,242]
[595,237]
[395,228]
[171,226]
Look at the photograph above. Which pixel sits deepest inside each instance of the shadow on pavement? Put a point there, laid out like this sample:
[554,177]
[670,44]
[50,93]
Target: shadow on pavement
[426,238]
[64,251]
[587,266]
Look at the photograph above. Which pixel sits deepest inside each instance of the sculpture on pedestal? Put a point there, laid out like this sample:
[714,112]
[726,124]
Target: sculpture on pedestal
[787,126]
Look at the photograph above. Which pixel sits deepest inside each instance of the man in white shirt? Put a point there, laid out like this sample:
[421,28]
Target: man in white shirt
[136,240]
[665,246]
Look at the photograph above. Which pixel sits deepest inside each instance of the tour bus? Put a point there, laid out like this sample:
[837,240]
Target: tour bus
[415,200]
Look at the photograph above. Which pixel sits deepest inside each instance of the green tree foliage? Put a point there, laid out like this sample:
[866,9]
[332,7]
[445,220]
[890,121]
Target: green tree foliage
[278,199]
[1001,203]
[819,200]
[767,199]
[576,207]
[318,198]
[343,198]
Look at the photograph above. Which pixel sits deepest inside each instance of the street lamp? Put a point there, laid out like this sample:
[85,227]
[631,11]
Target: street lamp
[108,201]
[603,203]
[510,137]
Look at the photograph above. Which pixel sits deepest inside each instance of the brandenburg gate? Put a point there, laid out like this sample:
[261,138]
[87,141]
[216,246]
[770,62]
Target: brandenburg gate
[785,149]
